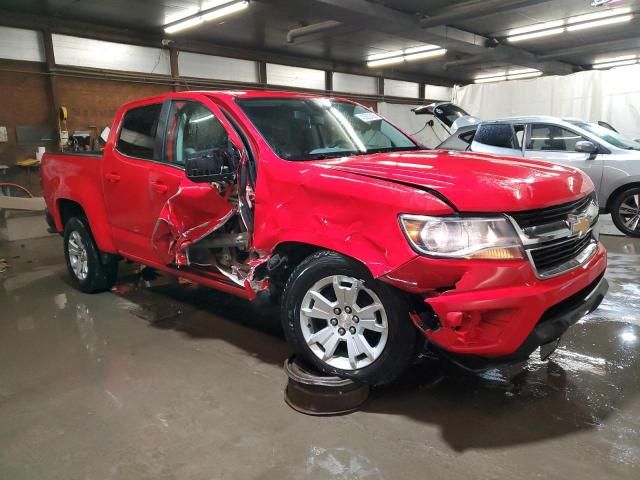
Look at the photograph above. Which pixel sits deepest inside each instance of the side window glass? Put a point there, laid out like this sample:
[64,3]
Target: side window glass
[191,130]
[496,135]
[552,138]
[138,133]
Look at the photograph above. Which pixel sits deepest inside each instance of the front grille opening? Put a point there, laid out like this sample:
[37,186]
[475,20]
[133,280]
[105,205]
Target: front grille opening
[555,253]
[554,256]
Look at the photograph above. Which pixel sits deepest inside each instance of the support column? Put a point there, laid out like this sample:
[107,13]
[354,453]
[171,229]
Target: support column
[175,70]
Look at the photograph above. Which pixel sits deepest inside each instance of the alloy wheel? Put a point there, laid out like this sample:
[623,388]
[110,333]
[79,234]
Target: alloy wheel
[343,322]
[78,256]
[629,212]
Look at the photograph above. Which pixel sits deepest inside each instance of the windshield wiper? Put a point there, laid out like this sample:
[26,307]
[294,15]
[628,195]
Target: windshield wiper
[393,149]
[323,156]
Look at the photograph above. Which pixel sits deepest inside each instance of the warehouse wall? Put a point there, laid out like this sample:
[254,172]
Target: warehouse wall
[611,95]
[92,102]
[92,78]
[24,100]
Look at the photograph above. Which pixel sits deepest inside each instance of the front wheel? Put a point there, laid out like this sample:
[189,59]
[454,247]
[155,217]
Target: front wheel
[90,271]
[625,212]
[345,323]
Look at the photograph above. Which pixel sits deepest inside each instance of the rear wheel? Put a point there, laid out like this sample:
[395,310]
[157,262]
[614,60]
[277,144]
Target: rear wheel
[344,322]
[90,271]
[625,212]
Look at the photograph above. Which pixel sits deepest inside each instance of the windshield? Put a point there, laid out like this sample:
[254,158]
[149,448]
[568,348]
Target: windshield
[317,128]
[609,136]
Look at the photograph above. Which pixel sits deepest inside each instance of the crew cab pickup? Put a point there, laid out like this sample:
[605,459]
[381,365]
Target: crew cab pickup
[371,243]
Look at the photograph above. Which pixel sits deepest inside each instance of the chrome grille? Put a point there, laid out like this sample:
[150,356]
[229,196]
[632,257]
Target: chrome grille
[531,218]
[550,241]
[557,252]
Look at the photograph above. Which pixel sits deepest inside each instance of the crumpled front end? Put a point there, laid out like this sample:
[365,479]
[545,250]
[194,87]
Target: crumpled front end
[487,308]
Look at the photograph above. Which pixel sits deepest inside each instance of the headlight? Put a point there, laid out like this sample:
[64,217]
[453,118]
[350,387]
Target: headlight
[480,238]
[593,210]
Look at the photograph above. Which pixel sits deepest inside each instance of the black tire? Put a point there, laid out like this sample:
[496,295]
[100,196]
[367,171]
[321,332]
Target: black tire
[619,219]
[102,269]
[400,348]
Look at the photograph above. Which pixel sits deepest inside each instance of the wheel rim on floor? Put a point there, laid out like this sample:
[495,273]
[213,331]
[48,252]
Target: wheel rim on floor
[343,322]
[78,256]
[629,212]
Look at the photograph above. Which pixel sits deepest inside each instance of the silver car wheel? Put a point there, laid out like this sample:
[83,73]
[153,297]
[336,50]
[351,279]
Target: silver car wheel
[343,322]
[629,212]
[78,256]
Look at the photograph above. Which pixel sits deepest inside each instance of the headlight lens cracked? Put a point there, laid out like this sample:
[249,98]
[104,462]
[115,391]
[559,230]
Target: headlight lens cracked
[451,237]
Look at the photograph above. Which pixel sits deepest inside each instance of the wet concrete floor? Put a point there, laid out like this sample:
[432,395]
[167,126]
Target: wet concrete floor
[163,381]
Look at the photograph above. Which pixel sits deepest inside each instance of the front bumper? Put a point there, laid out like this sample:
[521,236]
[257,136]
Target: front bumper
[499,310]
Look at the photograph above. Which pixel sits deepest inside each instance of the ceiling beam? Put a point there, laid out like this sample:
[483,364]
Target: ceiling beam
[473,9]
[374,16]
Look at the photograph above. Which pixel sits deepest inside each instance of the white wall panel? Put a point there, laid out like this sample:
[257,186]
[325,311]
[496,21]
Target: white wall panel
[348,83]
[609,95]
[295,77]
[217,68]
[399,88]
[19,44]
[434,92]
[84,52]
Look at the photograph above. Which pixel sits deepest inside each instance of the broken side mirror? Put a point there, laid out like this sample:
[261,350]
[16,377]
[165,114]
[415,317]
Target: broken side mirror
[214,165]
[585,146]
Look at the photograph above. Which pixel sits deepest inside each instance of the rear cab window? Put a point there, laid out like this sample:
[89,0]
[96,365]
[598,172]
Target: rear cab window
[137,136]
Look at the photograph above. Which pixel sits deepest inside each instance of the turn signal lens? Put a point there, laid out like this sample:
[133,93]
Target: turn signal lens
[500,253]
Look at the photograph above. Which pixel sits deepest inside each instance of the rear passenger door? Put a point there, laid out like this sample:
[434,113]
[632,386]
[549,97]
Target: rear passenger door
[499,139]
[556,144]
[126,179]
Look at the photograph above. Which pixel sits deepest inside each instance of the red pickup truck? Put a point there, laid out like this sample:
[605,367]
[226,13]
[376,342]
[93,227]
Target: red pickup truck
[370,242]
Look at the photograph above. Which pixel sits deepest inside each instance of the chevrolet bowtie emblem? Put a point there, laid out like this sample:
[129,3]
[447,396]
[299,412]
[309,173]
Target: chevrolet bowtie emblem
[579,224]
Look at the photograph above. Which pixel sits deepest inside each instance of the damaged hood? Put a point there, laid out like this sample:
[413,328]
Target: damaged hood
[472,182]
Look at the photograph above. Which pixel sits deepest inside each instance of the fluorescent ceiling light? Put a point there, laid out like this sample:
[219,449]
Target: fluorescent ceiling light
[380,56]
[619,63]
[424,48]
[421,55]
[615,59]
[597,15]
[524,75]
[219,9]
[523,70]
[490,79]
[536,27]
[529,36]
[178,27]
[599,23]
[407,55]
[491,75]
[228,10]
[501,76]
[385,61]
[572,24]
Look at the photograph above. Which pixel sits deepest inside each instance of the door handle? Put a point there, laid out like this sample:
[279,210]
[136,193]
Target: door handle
[112,177]
[159,187]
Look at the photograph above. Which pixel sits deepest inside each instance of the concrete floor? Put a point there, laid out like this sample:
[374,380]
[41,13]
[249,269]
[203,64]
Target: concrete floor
[174,382]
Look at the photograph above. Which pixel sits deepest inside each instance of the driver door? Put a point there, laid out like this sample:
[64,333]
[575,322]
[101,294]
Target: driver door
[184,211]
